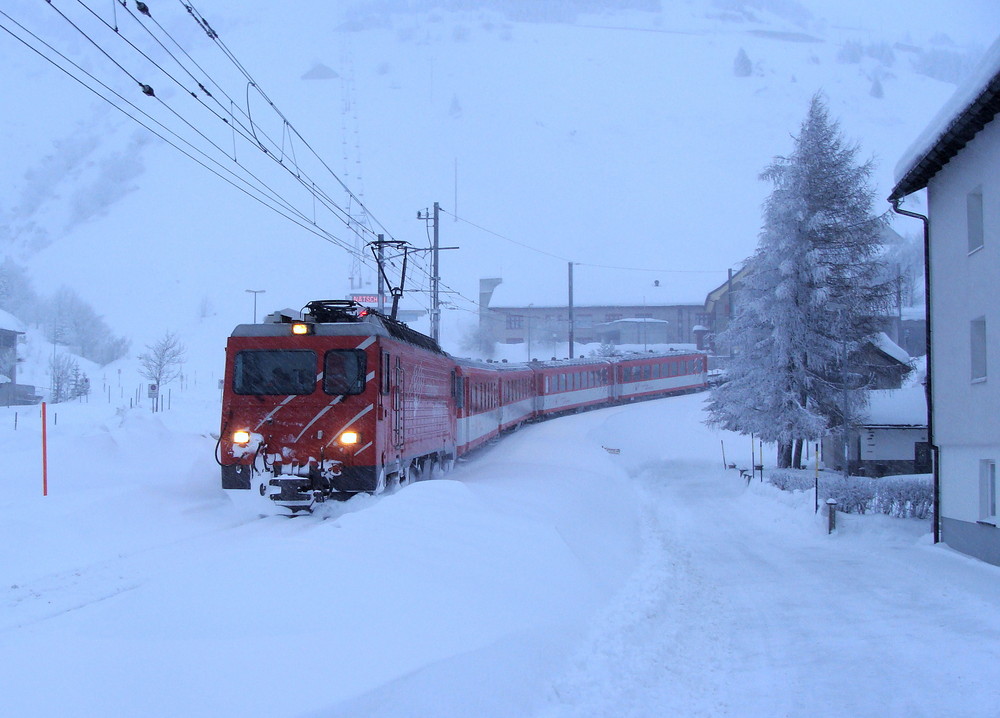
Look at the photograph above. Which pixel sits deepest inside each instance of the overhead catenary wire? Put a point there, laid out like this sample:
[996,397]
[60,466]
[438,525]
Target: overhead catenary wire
[265,195]
[596,265]
[251,132]
[214,36]
[239,120]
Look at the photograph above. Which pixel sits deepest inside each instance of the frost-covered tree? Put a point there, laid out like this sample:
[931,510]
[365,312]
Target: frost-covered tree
[72,322]
[813,293]
[63,370]
[17,295]
[742,67]
[162,361]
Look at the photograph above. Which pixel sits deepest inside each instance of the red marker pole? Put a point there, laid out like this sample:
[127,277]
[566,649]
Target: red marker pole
[45,456]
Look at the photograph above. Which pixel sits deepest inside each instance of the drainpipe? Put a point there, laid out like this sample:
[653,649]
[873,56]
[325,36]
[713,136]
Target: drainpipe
[935,453]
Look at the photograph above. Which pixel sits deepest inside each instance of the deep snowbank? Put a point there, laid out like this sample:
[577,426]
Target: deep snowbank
[545,577]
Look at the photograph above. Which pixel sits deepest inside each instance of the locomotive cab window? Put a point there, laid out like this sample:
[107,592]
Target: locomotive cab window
[274,371]
[344,371]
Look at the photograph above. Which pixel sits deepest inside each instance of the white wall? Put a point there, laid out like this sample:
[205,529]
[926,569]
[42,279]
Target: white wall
[965,286]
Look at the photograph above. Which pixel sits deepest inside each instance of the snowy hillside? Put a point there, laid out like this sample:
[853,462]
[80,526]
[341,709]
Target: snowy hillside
[623,137]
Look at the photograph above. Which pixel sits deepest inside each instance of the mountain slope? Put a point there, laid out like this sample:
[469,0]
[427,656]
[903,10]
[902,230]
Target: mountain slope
[620,138]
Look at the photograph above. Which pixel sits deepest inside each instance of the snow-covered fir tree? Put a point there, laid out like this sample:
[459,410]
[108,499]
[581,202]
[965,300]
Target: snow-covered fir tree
[813,293]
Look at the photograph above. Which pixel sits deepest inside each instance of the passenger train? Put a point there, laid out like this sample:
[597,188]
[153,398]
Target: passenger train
[341,400]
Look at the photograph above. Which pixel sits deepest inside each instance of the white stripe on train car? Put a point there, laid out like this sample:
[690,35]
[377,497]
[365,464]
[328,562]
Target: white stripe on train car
[316,418]
[471,428]
[275,410]
[363,448]
[366,343]
[516,411]
[673,382]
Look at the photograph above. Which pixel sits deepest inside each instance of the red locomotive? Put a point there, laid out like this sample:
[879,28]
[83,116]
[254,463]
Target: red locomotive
[346,400]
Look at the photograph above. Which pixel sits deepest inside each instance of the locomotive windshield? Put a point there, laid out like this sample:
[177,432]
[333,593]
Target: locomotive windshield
[266,371]
[344,371]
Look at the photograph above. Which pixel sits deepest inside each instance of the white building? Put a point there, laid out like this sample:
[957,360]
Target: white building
[957,160]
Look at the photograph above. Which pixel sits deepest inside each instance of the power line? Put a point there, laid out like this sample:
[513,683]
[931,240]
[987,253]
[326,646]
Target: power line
[266,195]
[580,264]
[248,133]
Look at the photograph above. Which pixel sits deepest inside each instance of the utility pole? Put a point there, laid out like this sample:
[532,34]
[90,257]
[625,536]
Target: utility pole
[381,277]
[570,310]
[255,292]
[436,281]
[435,249]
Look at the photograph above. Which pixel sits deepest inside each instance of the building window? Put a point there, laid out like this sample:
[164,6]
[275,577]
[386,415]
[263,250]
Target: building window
[988,490]
[612,317]
[977,344]
[974,207]
[515,321]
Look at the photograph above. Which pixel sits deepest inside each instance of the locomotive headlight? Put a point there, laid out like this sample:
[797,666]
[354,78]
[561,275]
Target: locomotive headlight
[349,438]
[301,328]
[241,437]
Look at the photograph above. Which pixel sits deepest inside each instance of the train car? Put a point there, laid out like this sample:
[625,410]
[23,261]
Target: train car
[644,376]
[344,401]
[477,391]
[572,385]
[518,395]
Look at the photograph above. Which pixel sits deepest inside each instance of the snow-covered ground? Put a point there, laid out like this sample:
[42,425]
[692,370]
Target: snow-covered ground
[546,577]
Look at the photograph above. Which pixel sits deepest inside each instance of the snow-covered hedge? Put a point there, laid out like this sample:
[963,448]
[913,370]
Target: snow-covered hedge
[898,496]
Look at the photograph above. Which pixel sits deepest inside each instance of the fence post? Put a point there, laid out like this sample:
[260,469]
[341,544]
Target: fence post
[45,456]
[831,509]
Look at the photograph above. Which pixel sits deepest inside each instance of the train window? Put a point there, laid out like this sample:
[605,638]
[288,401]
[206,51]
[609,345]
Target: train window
[386,378]
[275,371]
[457,390]
[647,372]
[344,371]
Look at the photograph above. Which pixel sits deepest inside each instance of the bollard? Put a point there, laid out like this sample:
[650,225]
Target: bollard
[831,512]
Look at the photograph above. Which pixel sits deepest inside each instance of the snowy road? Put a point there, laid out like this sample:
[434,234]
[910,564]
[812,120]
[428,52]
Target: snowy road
[549,579]
[743,606]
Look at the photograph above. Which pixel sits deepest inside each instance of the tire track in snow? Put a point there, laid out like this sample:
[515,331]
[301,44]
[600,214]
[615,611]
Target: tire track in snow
[663,646]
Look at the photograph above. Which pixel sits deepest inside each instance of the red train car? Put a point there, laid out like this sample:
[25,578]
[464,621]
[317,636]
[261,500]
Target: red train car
[345,401]
[571,385]
[643,377]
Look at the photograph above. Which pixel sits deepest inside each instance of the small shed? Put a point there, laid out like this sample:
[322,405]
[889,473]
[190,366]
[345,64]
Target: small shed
[892,438]
[12,393]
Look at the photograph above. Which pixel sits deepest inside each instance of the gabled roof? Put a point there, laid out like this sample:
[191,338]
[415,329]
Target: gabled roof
[971,108]
[720,291]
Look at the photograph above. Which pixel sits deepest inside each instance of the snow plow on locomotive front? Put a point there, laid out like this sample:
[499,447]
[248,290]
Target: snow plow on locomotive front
[299,407]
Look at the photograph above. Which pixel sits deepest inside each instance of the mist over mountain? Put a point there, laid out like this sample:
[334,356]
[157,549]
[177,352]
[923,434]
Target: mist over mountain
[623,135]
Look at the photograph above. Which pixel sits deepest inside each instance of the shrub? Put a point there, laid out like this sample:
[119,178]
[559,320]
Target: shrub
[897,496]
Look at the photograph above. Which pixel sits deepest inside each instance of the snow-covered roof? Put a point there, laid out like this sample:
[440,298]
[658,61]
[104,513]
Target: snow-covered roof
[897,407]
[888,346]
[974,104]
[10,322]
[636,320]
